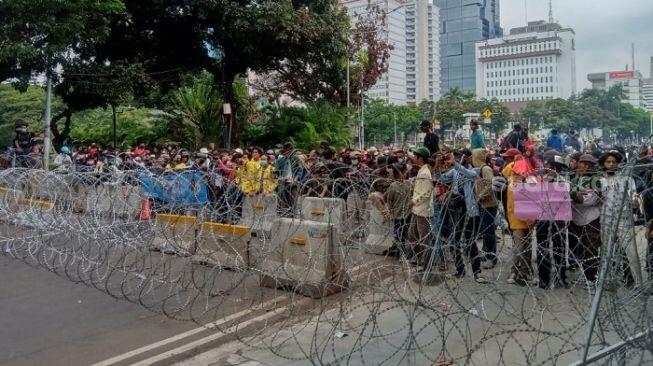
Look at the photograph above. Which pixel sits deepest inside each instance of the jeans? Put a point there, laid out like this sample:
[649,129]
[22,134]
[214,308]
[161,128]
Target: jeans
[488,232]
[467,242]
[440,230]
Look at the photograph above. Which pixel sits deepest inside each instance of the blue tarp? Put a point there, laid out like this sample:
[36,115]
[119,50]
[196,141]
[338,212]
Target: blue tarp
[181,188]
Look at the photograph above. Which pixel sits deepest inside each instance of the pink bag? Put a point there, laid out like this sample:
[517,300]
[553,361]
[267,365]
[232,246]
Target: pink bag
[543,201]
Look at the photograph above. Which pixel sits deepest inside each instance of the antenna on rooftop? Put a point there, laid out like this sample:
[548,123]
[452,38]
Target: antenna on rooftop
[550,11]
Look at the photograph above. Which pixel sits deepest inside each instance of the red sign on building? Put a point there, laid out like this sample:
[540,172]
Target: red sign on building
[622,75]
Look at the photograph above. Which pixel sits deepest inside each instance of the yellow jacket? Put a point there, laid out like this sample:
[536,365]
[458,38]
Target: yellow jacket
[515,223]
[269,184]
[248,177]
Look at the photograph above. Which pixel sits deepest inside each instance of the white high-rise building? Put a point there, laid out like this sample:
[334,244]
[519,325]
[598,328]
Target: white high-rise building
[631,82]
[391,86]
[534,62]
[422,51]
[647,90]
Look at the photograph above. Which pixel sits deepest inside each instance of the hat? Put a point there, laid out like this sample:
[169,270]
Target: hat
[511,153]
[556,160]
[587,158]
[354,154]
[204,151]
[269,152]
[423,152]
[372,151]
[239,151]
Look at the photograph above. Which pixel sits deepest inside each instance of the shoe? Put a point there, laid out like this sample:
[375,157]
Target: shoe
[511,279]
[480,279]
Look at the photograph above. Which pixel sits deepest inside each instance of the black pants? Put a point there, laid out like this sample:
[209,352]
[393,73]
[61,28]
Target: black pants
[465,241]
[586,255]
[550,237]
[649,260]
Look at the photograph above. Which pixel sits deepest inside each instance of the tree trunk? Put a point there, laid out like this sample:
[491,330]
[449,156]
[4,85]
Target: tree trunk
[59,137]
[229,76]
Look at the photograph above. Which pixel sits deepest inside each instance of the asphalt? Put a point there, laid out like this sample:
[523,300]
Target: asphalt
[48,320]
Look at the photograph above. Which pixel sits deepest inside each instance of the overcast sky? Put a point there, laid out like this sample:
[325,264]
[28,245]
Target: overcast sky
[604,30]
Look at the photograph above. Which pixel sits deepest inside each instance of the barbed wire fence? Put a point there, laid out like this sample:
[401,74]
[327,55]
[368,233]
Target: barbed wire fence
[313,254]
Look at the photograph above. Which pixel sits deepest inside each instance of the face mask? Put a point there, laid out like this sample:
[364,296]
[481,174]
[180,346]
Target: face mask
[264,163]
[23,130]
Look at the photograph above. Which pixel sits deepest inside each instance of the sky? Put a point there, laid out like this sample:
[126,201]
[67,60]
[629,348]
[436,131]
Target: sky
[604,31]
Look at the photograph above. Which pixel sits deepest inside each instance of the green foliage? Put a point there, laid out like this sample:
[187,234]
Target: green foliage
[380,120]
[38,35]
[15,106]
[133,126]
[307,127]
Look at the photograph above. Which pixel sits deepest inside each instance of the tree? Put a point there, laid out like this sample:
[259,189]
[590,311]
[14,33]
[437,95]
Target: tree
[39,35]
[453,105]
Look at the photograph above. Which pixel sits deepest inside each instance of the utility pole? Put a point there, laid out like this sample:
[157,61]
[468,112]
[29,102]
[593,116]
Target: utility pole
[46,122]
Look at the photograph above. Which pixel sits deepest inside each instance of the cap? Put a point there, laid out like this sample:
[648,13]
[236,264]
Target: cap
[239,151]
[269,152]
[556,160]
[587,158]
[204,150]
[511,153]
[423,152]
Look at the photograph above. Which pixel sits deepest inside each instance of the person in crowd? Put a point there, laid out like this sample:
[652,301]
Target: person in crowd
[421,205]
[487,203]
[22,143]
[521,229]
[617,226]
[515,139]
[585,226]
[431,140]
[476,139]
[554,141]
[550,235]
[251,174]
[648,235]
[63,161]
[463,212]
[643,175]
[397,209]
[290,171]
[268,183]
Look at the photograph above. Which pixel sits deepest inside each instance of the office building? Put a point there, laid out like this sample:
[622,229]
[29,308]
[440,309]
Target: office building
[462,24]
[534,62]
[422,51]
[391,86]
[647,90]
[630,80]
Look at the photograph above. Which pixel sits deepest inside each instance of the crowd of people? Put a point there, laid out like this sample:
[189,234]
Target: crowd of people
[440,200]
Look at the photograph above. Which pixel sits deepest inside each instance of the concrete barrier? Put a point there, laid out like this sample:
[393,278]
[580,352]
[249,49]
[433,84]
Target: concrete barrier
[9,199]
[175,234]
[223,245]
[380,233]
[33,214]
[305,256]
[356,219]
[259,211]
[326,210]
[127,202]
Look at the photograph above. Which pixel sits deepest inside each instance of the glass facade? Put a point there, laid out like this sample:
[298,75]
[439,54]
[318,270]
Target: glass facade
[462,24]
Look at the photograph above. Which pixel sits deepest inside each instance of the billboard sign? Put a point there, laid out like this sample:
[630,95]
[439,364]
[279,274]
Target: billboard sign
[622,75]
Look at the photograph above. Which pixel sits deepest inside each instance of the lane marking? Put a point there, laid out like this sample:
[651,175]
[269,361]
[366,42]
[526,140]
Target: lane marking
[180,336]
[147,348]
[200,342]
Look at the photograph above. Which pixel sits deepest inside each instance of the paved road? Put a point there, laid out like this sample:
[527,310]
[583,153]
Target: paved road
[48,320]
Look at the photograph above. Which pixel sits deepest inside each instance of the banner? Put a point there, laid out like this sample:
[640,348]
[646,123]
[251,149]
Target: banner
[546,201]
[183,188]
